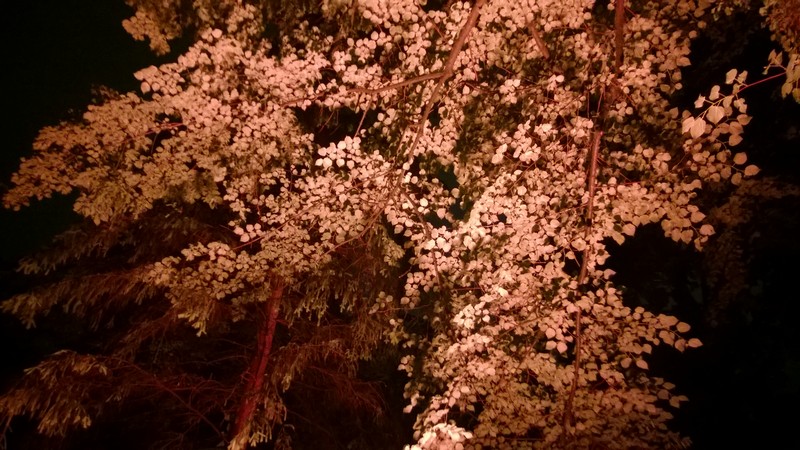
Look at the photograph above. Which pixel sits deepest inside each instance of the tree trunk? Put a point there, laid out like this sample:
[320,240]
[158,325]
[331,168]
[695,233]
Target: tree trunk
[258,366]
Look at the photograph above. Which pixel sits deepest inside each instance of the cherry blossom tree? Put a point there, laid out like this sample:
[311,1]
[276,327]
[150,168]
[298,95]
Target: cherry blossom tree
[283,173]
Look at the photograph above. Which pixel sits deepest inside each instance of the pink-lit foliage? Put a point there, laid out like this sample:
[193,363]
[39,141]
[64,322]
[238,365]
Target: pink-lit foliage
[494,150]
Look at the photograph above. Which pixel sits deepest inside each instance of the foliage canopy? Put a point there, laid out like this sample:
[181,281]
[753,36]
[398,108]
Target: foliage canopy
[310,184]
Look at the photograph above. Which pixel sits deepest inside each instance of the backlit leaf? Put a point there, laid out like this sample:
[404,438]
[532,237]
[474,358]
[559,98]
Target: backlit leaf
[694,343]
[730,76]
[751,170]
[715,113]
[698,127]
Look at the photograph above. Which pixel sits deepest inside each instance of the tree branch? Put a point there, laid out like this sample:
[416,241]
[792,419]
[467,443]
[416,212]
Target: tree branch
[591,175]
[255,382]
[400,84]
[539,41]
[447,72]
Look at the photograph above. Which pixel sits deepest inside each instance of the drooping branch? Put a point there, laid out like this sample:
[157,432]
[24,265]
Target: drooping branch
[258,367]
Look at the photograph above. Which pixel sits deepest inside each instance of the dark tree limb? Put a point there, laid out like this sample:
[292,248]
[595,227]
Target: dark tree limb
[258,367]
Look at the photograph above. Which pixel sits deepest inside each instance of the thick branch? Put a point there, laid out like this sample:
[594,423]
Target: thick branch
[258,367]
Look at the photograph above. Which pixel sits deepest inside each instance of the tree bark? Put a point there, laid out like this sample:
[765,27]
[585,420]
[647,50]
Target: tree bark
[258,367]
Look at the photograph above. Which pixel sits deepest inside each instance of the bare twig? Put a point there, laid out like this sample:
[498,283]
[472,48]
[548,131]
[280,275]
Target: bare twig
[161,385]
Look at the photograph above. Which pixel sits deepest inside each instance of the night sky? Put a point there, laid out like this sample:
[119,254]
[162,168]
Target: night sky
[56,51]
[54,54]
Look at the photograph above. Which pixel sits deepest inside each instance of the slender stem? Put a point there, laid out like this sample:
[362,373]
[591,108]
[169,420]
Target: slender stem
[763,80]
[400,84]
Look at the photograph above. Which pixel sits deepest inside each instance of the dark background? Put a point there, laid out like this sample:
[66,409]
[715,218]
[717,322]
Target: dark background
[54,54]
[740,383]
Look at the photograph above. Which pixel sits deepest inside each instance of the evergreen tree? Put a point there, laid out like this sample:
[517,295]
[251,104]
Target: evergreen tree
[310,180]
